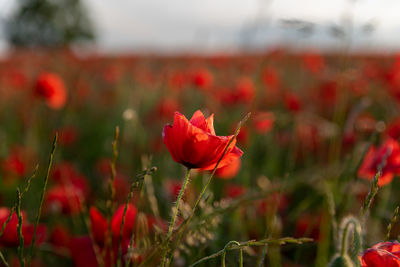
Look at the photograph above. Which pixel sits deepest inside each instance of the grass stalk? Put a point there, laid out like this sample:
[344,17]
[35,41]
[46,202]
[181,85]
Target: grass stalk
[53,149]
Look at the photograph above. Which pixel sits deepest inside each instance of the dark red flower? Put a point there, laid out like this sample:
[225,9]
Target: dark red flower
[60,236]
[382,254]
[51,87]
[375,156]
[393,129]
[82,252]
[292,102]
[194,143]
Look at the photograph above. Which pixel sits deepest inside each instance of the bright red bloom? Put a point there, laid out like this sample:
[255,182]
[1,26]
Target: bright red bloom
[382,254]
[51,87]
[194,143]
[389,149]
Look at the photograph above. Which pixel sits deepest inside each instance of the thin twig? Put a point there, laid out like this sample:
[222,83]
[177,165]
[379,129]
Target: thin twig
[394,219]
[53,149]
[280,241]
[19,230]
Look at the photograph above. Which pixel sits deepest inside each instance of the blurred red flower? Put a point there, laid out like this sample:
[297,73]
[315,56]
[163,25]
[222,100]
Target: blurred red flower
[270,78]
[194,143]
[393,129]
[382,254]
[234,190]
[60,236]
[292,102]
[203,78]
[10,234]
[65,199]
[100,224]
[388,151]
[51,87]
[100,227]
[263,122]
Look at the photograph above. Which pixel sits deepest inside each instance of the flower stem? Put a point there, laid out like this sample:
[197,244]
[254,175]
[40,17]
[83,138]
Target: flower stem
[174,216]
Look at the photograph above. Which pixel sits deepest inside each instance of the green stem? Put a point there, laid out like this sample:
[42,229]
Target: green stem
[128,199]
[225,249]
[19,230]
[356,230]
[280,241]
[174,217]
[42,196]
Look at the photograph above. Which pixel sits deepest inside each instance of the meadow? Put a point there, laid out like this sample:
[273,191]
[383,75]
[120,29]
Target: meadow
[301,169]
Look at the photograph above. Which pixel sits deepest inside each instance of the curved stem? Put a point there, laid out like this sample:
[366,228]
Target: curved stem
[225,249]
[175,215]
[351,222]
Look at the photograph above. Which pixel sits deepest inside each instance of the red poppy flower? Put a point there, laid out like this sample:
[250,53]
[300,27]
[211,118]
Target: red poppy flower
[65,198]
[263,122]
[374,157]
[292,102]
[51,87]
[229,171]
[10,234]
[194,143]
[382,254]
[100,225]
[203,79]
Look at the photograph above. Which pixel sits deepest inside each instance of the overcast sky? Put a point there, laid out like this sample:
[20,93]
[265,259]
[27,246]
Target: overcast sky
[212,25]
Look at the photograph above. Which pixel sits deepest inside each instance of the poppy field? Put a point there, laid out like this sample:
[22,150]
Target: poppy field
[273,159]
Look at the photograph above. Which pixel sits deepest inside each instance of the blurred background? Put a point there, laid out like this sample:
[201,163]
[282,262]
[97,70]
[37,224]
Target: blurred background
[175,26]
[321,79]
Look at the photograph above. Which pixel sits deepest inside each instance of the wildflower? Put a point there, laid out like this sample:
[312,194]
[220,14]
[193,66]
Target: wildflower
[194,143]
[387,154]
[10,234]
[203,79]
[263,122]
[51,87]
[382,254]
